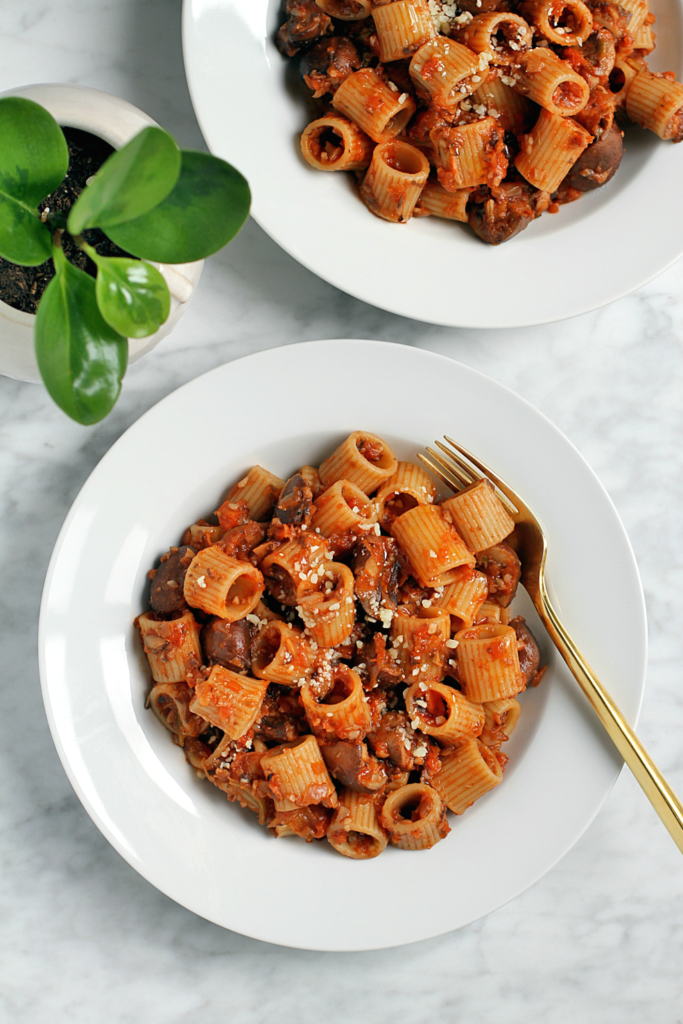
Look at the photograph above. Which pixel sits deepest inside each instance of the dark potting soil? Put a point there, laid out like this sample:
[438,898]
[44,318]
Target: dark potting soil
[22,287]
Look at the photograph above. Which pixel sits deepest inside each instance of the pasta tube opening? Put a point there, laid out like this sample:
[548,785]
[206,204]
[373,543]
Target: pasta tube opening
[334,143]
[414,817]
[281,654]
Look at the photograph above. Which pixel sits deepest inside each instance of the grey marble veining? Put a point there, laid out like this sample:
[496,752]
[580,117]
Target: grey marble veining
[83,937]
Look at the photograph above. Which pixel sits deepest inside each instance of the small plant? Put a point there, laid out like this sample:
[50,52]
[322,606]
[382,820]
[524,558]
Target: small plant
[151,199]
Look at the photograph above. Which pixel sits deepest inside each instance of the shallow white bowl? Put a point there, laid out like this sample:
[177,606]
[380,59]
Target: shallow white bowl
[252,110]
[283,408]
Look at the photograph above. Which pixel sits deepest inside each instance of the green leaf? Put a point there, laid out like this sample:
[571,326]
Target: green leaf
[205,210]
[34,159]
[131,182]
[82,360]
[132,296]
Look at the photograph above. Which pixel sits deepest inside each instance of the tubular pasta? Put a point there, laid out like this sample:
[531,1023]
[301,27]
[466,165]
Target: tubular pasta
[550,150]
[488,662]
[655,102]
[563,22]
[295,568]
[329,614]
[221,585]
[409,486]
[494,98]
[414,817]
[433,545]
[333,143]
[355,830]
[394,180]
[435,201]
[491,612]
[468,772]
[402,27]
[440,711]
[638,11]
[362,459]
[445,71]
[472,154]
[550,82]
[420,641]
[281,654]
[644,39]
[479,515]
[170,702]
[501,717]
[203,535]
[343,711]
[259,489]
[298,774]
[499,34]
[343,515]
[381,112]
[228,700]
[172,648]
[464,598]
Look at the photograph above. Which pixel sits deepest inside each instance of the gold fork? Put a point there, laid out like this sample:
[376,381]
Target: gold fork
[528,539]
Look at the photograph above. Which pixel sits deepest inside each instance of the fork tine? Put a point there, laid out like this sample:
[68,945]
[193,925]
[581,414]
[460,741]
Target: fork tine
[450,466]
[457,466]
[452,483]
[507,496]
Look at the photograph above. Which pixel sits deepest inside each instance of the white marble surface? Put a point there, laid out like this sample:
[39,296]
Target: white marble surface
[83,937]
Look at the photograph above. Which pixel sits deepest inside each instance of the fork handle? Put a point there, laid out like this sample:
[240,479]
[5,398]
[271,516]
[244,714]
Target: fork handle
[651,780]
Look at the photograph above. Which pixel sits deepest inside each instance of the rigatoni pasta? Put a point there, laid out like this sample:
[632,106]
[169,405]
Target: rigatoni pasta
[433,99]
[345,668]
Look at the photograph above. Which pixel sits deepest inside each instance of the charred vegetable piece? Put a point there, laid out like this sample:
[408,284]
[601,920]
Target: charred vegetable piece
[305,22]
[228,644]
[353,766]
[240,541]
[507,211]
[598,163]
[375,566]
[395,738]
[295,504]
[281,718]
[166,593]
[595,59]
[374,665]
[503,569]
[309,822]
[529,654]
[329,63]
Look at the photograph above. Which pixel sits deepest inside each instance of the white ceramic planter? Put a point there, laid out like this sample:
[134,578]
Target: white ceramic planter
[115,121]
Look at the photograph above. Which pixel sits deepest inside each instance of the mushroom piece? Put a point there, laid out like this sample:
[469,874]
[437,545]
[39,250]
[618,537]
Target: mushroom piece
[352,765]
[295,504]
[529,654]
[375,567]
[228,644]
[503,569]
[598,163]
[166,593]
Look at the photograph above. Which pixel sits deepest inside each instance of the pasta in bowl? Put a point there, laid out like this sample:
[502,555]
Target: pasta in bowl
[336,652]
[171,468]
[613,240]
[486,112]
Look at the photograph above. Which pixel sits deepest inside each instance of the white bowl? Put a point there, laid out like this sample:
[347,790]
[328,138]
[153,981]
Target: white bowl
[116,121]
[180,832]
[593,251]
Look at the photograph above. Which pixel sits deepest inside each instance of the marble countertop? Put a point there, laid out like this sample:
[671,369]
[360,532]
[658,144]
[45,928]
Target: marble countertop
[83,937]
